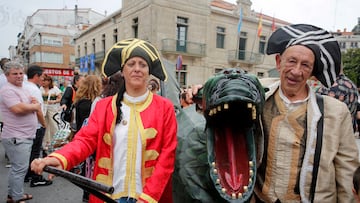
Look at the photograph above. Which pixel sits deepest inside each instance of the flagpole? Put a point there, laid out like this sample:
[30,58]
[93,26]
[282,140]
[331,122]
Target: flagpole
[237,50]
[179,66]
[273,25]
[252,49]
[258,33]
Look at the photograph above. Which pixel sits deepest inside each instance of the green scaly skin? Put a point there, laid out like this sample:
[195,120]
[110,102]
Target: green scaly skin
[216,157]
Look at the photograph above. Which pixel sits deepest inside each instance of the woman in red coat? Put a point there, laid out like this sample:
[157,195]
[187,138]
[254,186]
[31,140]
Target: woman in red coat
[132,132]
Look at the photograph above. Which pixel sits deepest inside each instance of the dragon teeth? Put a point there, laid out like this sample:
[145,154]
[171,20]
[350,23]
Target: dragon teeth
[219,108]
[215,171]
[226,106]
[246,188]
[233,196]
[223,190]
[211,112]
[251,172]
[213,164]
[251,164]
[217,181]
[253,113]
[249,105]
[240,195]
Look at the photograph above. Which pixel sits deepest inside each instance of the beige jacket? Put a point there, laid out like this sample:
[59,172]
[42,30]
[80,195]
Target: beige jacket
[339,153]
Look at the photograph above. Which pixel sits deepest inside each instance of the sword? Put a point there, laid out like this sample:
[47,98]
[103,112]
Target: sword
[87,184]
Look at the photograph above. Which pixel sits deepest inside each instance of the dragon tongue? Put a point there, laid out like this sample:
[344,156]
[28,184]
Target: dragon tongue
[232,160]
[233,181]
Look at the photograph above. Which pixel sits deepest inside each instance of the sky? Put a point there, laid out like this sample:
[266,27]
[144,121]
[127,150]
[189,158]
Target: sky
[328,14]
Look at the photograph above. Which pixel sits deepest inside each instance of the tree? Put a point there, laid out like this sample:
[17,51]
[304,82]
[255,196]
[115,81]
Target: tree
[351,63]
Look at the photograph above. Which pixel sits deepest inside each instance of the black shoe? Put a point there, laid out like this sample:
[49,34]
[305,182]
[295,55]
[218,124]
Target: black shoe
[40,182]
[27,179]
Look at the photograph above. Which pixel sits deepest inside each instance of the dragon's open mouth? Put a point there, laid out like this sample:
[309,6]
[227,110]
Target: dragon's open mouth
[232,102]
[233,148]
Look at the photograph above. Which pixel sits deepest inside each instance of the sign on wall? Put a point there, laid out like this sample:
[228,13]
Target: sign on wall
[58,72]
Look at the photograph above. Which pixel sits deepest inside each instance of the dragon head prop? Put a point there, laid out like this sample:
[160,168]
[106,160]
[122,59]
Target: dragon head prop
[232,105]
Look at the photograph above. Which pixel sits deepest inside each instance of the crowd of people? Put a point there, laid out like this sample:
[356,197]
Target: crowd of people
[127,132]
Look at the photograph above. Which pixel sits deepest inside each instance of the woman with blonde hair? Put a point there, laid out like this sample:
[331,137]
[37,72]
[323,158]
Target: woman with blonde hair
[85,95]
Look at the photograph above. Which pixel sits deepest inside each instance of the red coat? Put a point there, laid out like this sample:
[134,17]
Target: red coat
[159,133]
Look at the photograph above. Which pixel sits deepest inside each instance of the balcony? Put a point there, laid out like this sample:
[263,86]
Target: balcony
[173,46]
[239,56]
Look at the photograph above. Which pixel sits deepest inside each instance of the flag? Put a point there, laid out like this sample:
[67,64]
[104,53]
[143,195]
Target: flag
[273,26]
[179,63]
[92,62]
[240,21]
[86,61]
[259,30]
[82,64]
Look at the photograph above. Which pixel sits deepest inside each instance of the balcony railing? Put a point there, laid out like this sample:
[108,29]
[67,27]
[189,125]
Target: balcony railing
[245,57]
[183,47]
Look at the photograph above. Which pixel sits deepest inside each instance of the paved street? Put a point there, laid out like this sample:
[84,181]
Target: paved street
[61,191]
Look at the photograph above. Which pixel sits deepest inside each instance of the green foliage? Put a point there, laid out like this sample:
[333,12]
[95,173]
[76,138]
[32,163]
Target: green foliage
[351,63]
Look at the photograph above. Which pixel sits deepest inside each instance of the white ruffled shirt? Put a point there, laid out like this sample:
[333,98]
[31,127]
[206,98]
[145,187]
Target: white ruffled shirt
[122,149]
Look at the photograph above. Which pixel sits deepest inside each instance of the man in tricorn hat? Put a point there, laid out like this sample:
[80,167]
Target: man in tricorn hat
[310,152]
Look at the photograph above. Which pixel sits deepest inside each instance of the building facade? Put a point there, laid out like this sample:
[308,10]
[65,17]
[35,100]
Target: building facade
[47,39]
[348,39]
[204,32]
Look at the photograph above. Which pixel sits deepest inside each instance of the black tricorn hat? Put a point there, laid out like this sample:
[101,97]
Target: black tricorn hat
[323,44]
[123,50]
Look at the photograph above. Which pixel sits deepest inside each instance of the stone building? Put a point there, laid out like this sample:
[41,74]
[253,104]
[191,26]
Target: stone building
[348,40]
[204,32]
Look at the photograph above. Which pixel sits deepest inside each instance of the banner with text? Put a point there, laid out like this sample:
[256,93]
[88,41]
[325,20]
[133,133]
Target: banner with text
[58,72]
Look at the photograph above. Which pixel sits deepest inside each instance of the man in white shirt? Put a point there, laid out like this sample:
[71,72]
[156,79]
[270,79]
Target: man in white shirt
[35,77]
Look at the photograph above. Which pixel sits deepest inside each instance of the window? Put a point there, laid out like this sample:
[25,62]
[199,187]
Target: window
[52,41]
[242,46]
[260,74]
[135,27]
[262,43]
[181,75]
[32,58]
[115,37]
[343,45]
[85,48]
[103,42]
[220,37]
[181,34]
[78,51]
[72,58]
[93,45]
[48,57]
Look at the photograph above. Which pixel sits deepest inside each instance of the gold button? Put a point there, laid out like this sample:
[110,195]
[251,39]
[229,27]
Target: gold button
[124,122]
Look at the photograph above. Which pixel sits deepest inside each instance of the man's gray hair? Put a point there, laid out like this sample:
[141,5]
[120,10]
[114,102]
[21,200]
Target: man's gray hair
[12,65]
